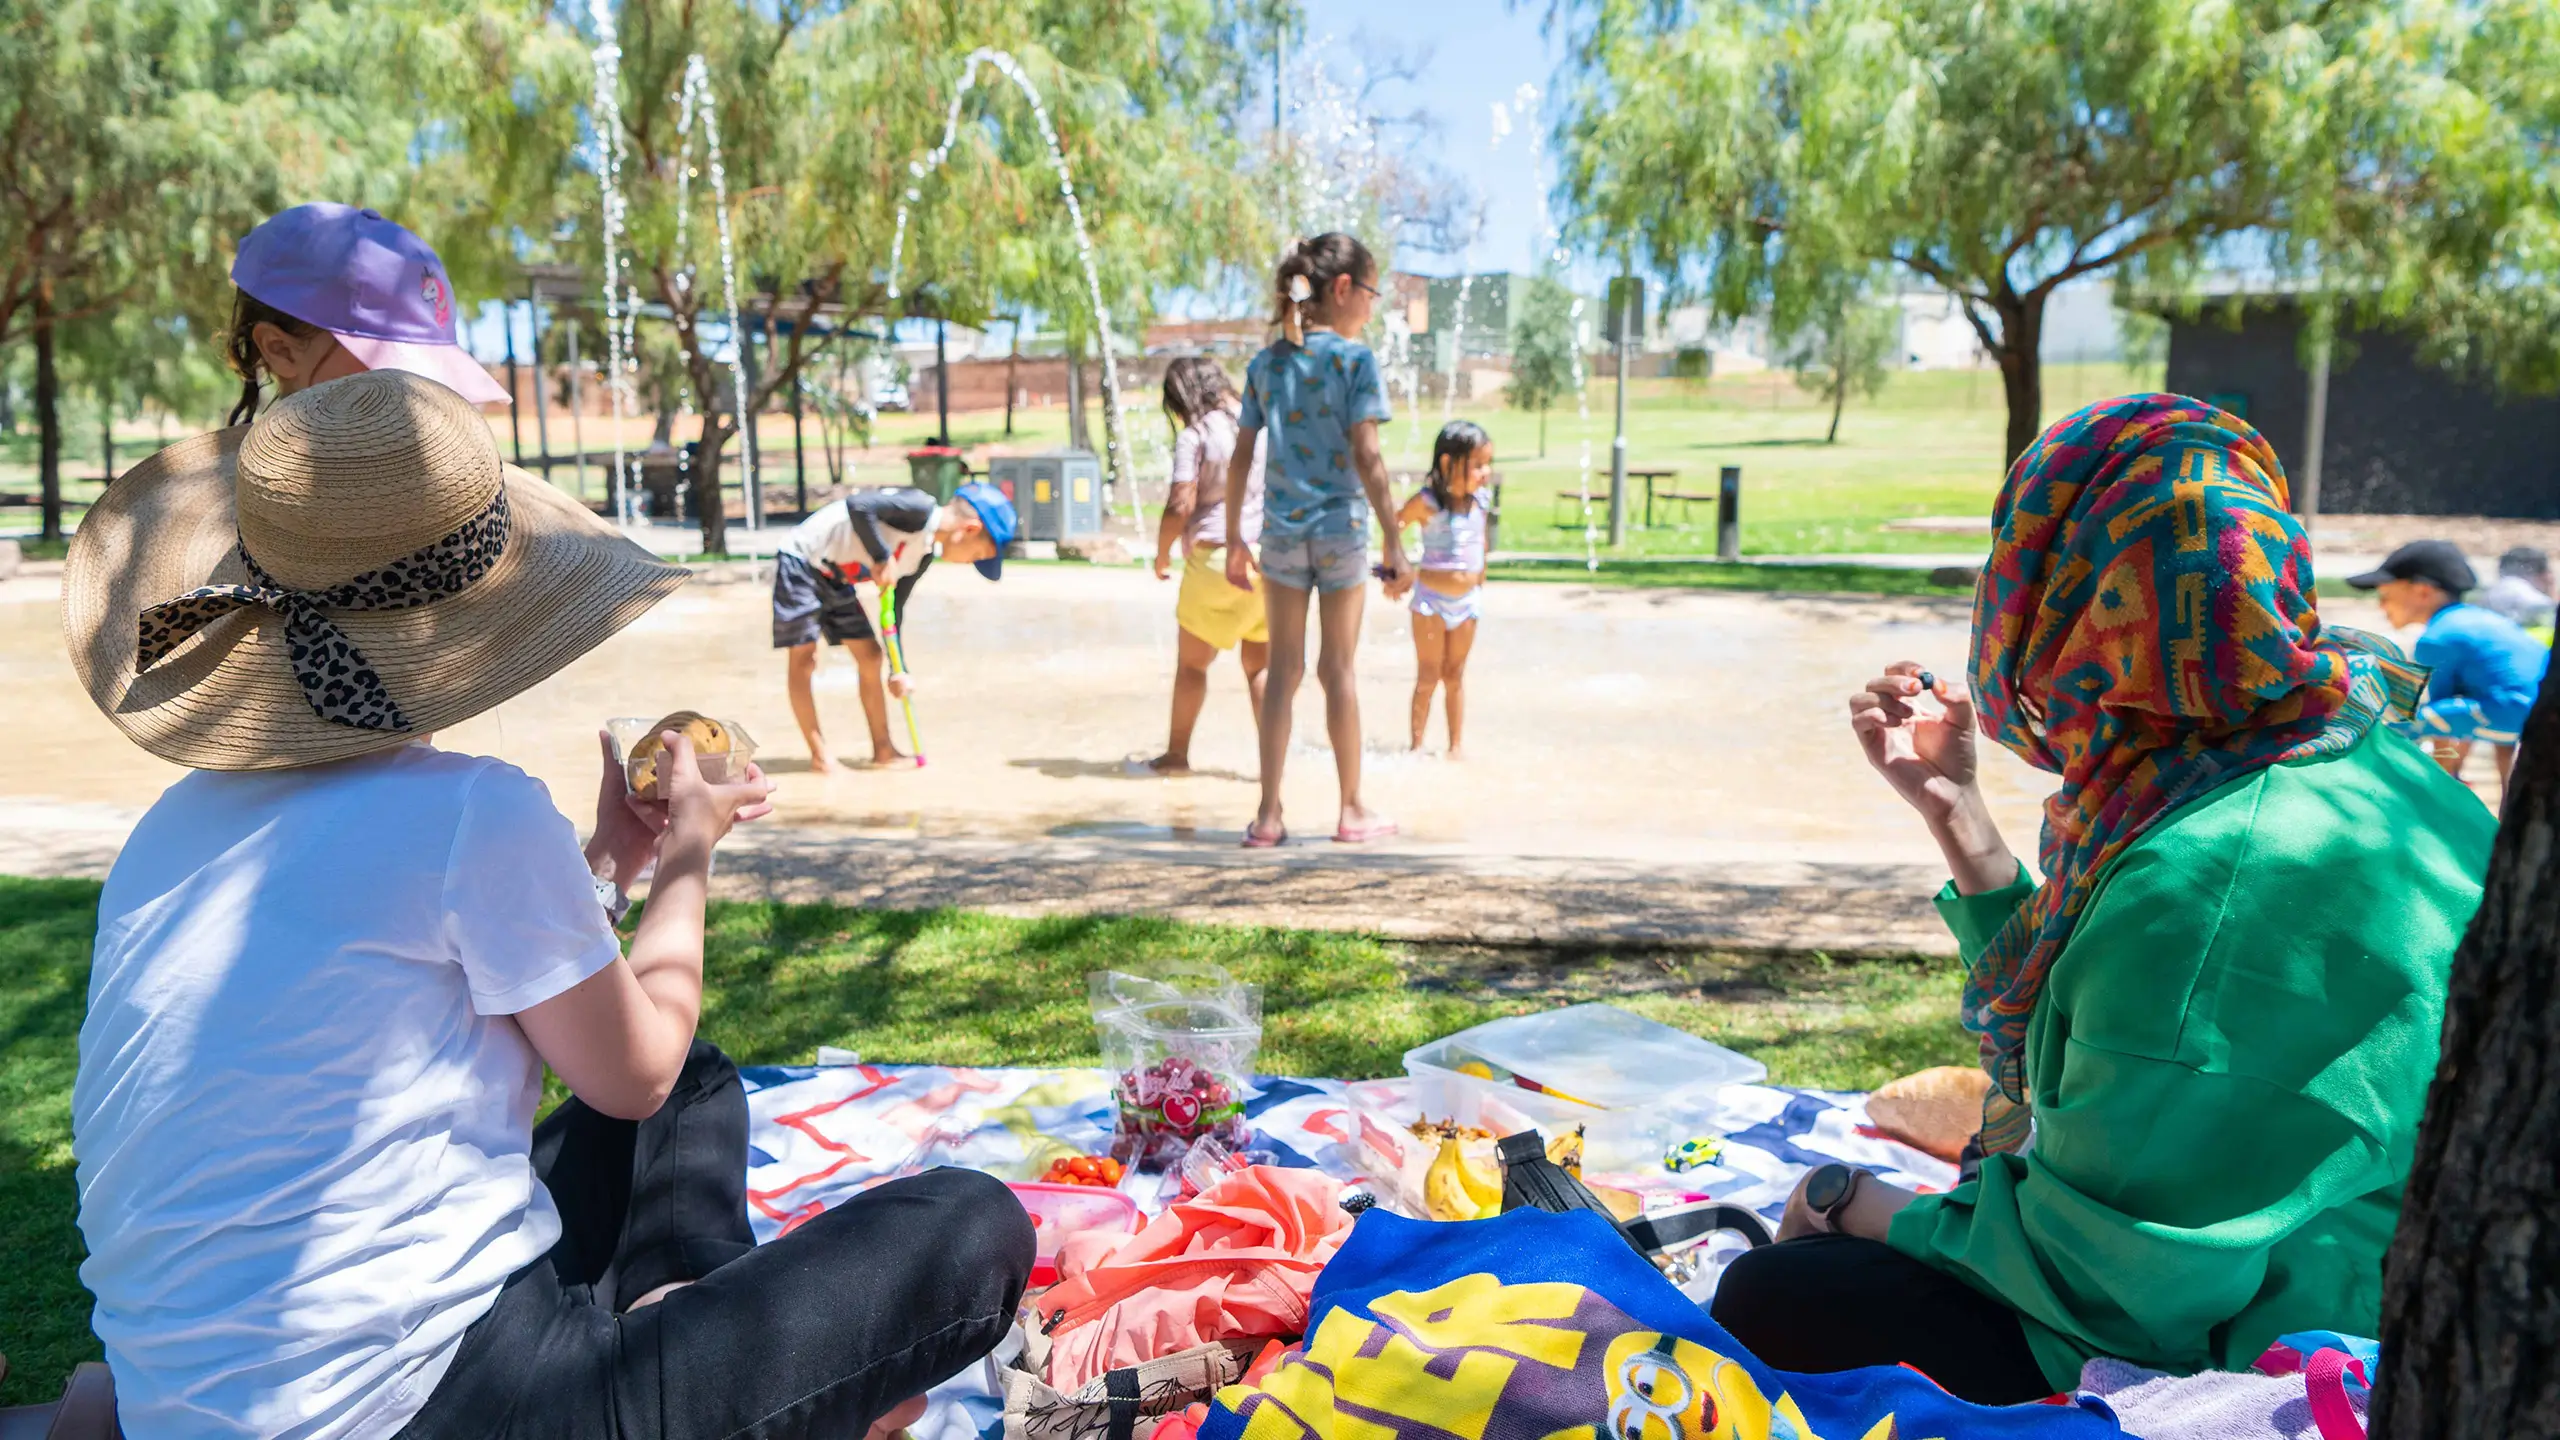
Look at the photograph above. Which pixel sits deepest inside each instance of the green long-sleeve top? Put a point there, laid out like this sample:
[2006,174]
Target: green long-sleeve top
[2228,1068]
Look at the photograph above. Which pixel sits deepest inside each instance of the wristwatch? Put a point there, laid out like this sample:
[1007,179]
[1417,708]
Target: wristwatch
[1828,1191]
[616,904]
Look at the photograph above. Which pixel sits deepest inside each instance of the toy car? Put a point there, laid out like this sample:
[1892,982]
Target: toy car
[1690,1154]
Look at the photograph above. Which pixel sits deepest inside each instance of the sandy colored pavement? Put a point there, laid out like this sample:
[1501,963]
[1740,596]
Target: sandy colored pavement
[1643,766]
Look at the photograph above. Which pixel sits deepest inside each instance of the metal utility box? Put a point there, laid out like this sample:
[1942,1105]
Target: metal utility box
[1058,493]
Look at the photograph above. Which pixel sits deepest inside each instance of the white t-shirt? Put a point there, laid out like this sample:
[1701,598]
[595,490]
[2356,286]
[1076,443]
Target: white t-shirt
[882,536]
[303,1118]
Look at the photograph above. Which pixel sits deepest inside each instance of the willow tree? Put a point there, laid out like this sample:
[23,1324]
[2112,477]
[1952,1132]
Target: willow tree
[2390,153]
[821,110]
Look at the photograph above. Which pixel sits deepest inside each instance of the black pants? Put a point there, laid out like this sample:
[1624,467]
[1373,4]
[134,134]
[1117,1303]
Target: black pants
[1821,1303]
[819,1333]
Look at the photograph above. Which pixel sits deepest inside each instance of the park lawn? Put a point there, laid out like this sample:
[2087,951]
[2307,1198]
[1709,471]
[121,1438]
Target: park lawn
[1674,573]
[1928,445]
[966,988]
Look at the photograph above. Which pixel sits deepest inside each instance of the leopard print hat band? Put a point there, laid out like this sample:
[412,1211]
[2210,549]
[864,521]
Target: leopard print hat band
[335,677]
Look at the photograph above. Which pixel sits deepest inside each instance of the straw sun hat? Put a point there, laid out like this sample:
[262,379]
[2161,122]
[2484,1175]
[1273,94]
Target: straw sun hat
[353,571]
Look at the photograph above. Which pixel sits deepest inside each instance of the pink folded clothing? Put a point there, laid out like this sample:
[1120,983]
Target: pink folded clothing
[1235,1263]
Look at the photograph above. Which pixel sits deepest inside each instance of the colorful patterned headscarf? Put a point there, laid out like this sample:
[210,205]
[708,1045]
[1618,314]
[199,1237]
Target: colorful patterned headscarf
[2145,630]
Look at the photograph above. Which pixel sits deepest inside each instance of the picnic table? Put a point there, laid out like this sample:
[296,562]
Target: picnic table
[1650,479]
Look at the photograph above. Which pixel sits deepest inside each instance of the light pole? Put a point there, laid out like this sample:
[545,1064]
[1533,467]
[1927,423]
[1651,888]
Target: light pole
[1623,313]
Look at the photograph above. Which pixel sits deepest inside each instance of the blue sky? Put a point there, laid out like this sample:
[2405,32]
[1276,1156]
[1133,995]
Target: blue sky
[1478,52]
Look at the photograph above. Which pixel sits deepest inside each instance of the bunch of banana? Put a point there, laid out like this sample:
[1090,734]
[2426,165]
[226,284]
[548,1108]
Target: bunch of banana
[1458,1187]
[1566,1152]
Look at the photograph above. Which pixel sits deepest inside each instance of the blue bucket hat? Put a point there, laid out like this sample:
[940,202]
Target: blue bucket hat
[995,513]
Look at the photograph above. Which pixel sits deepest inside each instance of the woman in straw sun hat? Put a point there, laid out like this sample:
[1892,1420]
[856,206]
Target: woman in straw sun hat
[332,964]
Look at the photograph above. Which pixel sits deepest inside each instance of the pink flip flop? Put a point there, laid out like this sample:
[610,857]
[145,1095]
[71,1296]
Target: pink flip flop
[1374,830]
[1256,840]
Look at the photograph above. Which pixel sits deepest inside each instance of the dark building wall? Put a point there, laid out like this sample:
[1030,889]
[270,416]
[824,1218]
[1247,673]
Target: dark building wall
[2404,437]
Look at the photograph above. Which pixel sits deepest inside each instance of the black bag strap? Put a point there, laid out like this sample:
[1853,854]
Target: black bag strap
[1121,1386]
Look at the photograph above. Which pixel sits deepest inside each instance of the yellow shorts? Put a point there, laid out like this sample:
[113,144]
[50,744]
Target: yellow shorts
[1216,611]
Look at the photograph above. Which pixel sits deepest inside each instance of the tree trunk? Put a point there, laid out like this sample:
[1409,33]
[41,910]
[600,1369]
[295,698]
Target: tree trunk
[2471,1288]
[1542,432]
[1839,376]
[107,435]
[708,503]
[2021,372]
[664,432]
[48,415]
[1011,362]
[1079,436]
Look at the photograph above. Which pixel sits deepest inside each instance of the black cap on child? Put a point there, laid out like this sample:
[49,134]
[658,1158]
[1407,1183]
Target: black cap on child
[2438,562]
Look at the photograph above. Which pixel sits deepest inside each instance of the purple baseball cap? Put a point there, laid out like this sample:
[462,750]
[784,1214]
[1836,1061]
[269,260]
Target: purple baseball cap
[368,281]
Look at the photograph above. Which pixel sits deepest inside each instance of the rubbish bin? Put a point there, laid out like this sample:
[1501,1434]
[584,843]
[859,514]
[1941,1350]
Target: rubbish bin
[658,470]
[1058,492]
[937,470]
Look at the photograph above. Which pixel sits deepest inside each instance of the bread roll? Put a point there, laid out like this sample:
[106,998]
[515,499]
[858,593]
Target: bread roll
[1936,1110]
[709,737]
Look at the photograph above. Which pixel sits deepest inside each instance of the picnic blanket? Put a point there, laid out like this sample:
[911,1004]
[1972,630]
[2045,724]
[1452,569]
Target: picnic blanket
[821,1133]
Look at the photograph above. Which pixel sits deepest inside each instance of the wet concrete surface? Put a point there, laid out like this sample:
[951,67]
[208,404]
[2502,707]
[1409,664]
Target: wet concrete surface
[1643,766]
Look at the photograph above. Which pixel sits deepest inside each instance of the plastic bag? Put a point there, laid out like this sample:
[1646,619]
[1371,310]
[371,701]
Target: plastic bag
[1180,1040]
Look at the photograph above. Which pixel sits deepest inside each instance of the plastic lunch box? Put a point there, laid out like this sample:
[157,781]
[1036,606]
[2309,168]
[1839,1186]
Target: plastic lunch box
[1059,1211]
[1634,1086]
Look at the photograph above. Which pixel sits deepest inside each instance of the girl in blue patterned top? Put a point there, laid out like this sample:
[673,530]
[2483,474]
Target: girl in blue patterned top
[1318,392]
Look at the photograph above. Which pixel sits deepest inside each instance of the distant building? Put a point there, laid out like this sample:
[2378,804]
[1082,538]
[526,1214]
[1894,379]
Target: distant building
[2403,437]
[1448,314]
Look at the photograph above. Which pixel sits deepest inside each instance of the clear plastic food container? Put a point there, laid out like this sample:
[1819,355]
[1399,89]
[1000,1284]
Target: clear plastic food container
[627,731]
[1635,1087]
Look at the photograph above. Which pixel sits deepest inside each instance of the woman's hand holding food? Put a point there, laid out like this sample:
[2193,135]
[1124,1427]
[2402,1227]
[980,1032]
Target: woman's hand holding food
[700,813]
[627,827]
[1920,738]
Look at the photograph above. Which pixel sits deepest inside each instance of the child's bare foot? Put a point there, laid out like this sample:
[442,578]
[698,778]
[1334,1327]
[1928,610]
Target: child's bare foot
[886,755]
[1168,764]
[825,764]
[1455,754]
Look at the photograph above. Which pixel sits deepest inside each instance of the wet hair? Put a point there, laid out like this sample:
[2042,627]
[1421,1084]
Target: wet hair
[1307,274]
[1194,386]
[240,347]
[1458,443]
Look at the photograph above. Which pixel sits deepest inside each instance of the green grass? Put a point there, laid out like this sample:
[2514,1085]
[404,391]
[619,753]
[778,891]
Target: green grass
[1679,574]
[1928,445]
[960,987]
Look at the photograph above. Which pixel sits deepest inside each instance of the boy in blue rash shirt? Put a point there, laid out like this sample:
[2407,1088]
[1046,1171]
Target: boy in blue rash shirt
[2484,669]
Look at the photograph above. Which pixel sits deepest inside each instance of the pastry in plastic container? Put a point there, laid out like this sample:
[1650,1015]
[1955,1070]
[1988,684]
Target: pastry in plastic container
[722,748]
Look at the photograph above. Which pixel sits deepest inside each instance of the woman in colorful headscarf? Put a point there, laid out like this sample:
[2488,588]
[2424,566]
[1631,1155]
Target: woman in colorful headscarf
[2210,1031]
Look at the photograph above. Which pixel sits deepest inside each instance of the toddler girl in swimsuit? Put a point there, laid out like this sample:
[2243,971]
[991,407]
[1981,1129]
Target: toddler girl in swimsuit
[1448,592]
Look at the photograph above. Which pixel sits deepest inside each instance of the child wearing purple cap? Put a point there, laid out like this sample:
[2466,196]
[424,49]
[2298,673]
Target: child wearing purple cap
[327,291]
